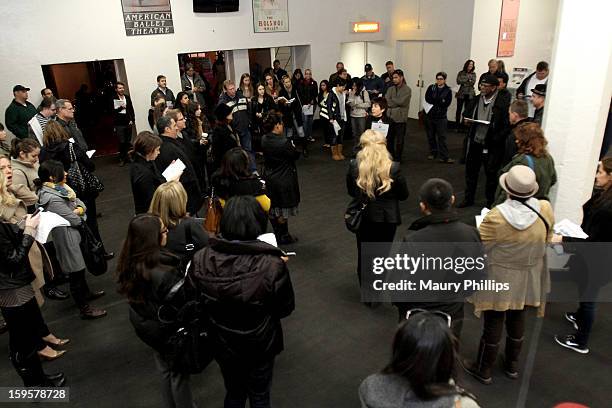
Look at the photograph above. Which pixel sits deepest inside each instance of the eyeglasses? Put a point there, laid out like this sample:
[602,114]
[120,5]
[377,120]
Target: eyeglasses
[439,79]
[444,316]
[70,108]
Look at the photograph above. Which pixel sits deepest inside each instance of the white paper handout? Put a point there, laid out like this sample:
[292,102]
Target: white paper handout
[381,127]
[308,110]
[480,217]
[568,228]
[90,153]
[48,221]
[117,103]
[483,122]
[174,170]
[337,127]
[268,238]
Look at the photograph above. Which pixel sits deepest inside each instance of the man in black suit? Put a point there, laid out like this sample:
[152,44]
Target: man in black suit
[123,120]
[171,150]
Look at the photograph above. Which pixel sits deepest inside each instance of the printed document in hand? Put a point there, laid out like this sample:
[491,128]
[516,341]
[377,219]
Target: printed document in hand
[90,153]
[426,106]
[480,217]
[268,238]
[174,170]
[48,221]
[483,122]
[381,127]
[117,103]
[308,110]
[337,127]
[568,228]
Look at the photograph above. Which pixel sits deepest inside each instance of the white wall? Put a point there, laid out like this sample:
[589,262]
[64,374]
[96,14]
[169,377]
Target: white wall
[353,55]
[534,34]
[37,32]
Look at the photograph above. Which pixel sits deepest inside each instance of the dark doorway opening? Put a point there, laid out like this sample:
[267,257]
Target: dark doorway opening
[89,86]
[210,65]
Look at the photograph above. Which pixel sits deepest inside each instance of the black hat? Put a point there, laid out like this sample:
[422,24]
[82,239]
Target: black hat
[222,111]
[20,88]
[490,79]
[368,67]
[540,89]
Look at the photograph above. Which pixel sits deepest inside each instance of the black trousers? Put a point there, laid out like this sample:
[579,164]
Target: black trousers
[79,288]
[26,326]
[395,143]
[124,136]
[461,102]
[244,380]
[436,136]
[372,232]
[494,325]
[476,157]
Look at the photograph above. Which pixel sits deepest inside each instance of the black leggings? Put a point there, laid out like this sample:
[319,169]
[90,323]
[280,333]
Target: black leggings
[26,327]
[494,325]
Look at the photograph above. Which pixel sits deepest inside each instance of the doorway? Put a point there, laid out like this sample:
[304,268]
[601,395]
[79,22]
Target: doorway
[89,86]
[420,61]
[211,65]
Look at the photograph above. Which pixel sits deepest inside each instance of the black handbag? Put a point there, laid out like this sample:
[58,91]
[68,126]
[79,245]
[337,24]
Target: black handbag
[354,214]
[80,179]
[93,251]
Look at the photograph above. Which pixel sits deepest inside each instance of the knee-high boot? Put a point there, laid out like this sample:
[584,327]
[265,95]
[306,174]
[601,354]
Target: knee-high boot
[481,368]
[31,372]
[511,356]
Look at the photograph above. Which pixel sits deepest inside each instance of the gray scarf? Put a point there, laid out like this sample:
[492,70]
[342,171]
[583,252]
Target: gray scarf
[484,112]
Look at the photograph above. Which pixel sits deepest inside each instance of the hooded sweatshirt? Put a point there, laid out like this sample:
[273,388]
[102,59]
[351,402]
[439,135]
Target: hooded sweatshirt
[519,215]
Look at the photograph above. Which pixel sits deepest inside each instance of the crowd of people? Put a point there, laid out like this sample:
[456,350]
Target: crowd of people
[237,277]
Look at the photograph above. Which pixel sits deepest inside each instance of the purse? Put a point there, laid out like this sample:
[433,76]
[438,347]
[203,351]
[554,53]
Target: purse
[80,179]
[92,251]
[354,214]
[214,211]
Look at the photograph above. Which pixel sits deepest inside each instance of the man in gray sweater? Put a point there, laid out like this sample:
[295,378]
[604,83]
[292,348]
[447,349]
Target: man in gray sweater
[398,99]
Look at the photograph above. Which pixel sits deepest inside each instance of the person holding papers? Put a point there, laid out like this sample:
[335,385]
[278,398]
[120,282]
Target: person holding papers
[123,120]
[596,223]
[488,116]
[440,96]
[359,102]
[55,196]
[37,125]
[171,150]
[380,122]
[290,105]
[336,110]
[144,174]
[24,160]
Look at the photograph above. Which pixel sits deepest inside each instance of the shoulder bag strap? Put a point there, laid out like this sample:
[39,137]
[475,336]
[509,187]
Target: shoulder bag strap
[530,162]
[539,215]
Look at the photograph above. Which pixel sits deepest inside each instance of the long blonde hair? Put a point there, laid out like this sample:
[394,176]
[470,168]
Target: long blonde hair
[374,163]
[169,203]
[6,197]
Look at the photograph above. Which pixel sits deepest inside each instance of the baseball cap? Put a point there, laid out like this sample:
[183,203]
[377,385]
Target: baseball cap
[368,67]
[20,88]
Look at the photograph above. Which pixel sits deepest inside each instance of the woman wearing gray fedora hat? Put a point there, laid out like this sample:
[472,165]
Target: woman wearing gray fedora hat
[515,234]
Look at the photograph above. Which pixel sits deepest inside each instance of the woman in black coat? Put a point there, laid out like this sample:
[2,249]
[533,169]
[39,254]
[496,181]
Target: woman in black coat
[144,174]
[596,223]
[18,304]
[247,290]
[57,146]
[292,113]
[375,179]
[379,115]
[261,104]
[224,137]
[145,275]
[280,175]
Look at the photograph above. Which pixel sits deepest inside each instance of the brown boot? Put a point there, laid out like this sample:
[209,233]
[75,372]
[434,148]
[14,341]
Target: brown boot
[481,368]
[334,150]
[339,151]
[89,313]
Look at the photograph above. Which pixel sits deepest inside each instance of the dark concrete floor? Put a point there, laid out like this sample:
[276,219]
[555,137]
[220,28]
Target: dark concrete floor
[332,340]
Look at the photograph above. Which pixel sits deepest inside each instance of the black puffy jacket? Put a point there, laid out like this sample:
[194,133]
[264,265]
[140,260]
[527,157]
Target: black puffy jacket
[246,290]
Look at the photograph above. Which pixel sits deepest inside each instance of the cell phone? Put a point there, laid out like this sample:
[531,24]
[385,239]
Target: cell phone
[38,210]
[290,254]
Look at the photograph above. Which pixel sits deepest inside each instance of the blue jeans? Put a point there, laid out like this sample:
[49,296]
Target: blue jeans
[246,142]
[243,380]
[308,119]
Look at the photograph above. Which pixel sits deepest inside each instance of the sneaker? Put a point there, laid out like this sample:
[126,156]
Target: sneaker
[569,341]
[431,157]
[571,317]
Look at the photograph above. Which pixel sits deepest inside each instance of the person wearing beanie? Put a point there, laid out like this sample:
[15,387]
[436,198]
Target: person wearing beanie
[522,225]
[487,116]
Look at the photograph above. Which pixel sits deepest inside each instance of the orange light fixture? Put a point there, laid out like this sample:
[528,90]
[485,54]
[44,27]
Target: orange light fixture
[366,27]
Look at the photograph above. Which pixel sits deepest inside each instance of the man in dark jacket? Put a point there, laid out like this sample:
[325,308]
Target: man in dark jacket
[486,139]
[19,112]
[163,90]
[279,73]
[517,115]
[372,82]
[171,150]
[241,120]
[440,96]
[440,223]
[538,99]
[65,117]
[123,120]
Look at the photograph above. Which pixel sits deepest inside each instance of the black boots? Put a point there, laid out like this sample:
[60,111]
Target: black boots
[513,350]
[31,372]
[481,368]
[281,231]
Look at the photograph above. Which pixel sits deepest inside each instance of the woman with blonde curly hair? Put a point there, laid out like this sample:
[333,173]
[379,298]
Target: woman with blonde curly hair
[376,180]
[532,152]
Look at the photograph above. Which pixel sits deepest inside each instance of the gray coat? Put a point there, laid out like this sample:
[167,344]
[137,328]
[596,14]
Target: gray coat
[398,99]
[197,82]
[65,239]
[466,82]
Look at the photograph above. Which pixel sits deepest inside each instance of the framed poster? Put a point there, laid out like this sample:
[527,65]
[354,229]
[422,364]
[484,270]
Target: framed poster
[507,28]
[147,17]
[270,16]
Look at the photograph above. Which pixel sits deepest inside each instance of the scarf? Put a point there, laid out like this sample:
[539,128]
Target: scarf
[64,190]
[485,112]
